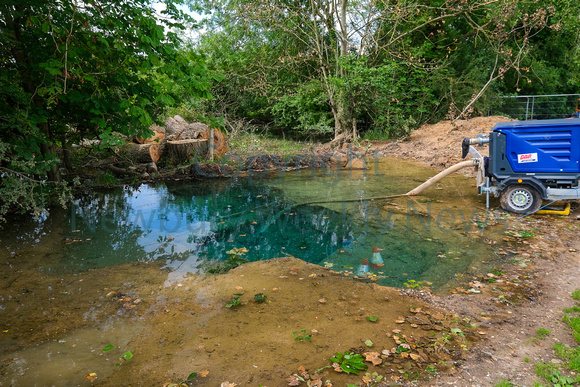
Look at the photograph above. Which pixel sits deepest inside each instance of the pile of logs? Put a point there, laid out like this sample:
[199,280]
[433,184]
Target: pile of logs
[179,142]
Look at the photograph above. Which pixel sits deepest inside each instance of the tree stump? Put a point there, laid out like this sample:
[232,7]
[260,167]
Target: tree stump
[180,151]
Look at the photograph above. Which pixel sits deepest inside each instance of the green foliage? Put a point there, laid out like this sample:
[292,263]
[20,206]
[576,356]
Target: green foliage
[124,357]
[302,336]
[372,318]
[23,190]
[71,72]
[287,64]
[305,111]
[542,333]
[234,301]
[106,179]
[260,298]
[234,260]
[505,383]
[555,374]
[412,284]
[349,362]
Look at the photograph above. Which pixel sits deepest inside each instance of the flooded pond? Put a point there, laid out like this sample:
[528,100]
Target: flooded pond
[75,277]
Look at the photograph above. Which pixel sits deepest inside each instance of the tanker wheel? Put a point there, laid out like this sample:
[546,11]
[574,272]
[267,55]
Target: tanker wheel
[520,199]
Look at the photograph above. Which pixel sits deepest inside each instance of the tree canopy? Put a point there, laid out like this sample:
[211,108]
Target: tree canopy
[83,69]
[330,66]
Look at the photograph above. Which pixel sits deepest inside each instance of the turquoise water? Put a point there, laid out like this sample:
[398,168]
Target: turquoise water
[190,225]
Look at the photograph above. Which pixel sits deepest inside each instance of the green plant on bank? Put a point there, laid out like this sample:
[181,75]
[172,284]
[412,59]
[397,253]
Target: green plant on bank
[234,260]
[497,271]
[504,383]
[542,333]
[124,357]
[106,179]
[183,383]
[260,298]
[349,362]
[568,373]
[302,336]
[372,318]
[412,284]
[372,380]
[431,369]
[249,143]
[234,301]
[522,234]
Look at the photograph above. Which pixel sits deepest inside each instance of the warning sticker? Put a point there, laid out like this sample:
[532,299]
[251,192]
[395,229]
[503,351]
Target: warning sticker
[528,158]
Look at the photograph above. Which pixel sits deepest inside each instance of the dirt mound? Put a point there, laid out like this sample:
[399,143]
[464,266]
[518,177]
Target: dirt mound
[439,145]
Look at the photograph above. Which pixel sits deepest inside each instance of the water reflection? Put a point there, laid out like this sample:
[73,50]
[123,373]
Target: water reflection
[189,225]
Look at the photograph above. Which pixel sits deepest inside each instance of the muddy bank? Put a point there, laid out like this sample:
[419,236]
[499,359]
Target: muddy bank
[439,145]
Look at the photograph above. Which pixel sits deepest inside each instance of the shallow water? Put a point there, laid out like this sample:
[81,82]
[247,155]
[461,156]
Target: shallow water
[64,268]
[192,225]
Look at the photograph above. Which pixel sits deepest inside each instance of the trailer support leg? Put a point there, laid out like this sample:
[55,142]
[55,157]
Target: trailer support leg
[487,193]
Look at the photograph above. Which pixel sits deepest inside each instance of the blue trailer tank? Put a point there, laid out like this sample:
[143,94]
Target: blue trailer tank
[551,146]
[529,161]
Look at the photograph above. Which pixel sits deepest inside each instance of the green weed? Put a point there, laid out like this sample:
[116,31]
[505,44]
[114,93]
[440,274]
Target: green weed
[124,357]
[349,362]
[412,284]
[505,383]
[557,375]
[302,336]
[542,333]
[106,179]
[234,301]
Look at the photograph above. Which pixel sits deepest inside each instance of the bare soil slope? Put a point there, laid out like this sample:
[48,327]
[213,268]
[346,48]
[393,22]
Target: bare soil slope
[439,145]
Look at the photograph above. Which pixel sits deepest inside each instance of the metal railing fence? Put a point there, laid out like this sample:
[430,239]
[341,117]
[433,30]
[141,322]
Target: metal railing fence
[537,107]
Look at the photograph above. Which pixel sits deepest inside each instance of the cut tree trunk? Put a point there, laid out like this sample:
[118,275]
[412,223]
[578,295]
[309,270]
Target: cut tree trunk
[138,153]
[179,151]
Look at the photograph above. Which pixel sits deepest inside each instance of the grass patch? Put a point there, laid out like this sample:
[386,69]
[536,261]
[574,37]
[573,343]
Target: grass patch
[542,333]
[376,135]
[504,383]
[568,373]
[249,144]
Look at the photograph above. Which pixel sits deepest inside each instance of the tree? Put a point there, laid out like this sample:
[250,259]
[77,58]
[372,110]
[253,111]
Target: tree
[317,42]
[74,69]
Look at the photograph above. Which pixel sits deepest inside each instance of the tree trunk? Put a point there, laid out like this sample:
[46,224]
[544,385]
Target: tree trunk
[343,29]
[53,173]
[47,149]
[138,153]
[343,119]
[66,157]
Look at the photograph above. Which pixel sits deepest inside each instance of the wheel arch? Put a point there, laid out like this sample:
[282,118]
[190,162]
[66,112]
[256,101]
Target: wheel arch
[523,180]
